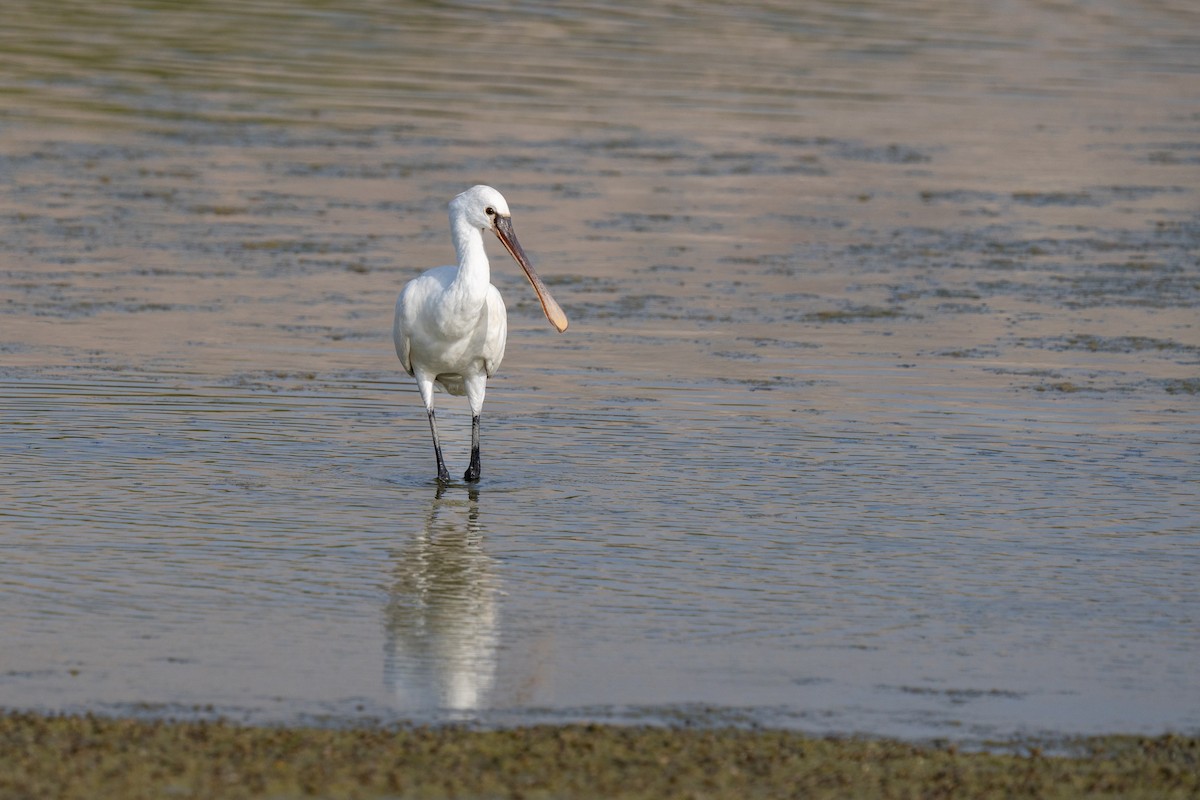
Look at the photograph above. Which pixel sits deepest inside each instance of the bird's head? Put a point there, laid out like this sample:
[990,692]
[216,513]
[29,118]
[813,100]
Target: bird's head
[481,206]
[486,209]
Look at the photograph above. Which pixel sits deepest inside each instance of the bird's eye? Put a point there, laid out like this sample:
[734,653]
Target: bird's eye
[491,212]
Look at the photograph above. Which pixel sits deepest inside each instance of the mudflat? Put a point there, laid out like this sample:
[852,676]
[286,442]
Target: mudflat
[88,757]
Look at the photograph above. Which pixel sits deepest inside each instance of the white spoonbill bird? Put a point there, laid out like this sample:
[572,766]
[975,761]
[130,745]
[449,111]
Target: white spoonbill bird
[451,325]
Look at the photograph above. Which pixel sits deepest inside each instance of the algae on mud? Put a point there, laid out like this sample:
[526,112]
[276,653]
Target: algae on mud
[91,756]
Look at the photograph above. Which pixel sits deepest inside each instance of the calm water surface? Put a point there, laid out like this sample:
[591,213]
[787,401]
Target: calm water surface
[879,410]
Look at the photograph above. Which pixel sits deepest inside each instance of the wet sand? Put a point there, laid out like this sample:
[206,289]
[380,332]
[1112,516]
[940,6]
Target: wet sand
[878,413]
[92,757]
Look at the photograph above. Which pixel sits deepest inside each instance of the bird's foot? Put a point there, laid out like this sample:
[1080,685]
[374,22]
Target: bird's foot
[474,468]
[443,476]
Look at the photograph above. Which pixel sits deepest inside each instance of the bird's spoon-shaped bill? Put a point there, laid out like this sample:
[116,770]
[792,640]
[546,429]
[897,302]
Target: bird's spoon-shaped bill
[508,237]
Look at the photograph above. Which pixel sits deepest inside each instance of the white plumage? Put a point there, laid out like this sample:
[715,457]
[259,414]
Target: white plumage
[451,325]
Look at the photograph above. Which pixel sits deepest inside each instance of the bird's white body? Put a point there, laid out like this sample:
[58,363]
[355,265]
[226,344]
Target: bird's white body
[451,326]
[450,334]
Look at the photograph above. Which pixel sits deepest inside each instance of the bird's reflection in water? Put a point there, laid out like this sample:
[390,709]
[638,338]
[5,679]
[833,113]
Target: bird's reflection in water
[442,615]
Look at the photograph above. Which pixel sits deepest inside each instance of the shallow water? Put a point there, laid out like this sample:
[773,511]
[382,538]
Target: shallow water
[878,411]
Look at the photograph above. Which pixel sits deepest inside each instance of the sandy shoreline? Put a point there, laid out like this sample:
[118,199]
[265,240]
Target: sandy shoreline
[90,756]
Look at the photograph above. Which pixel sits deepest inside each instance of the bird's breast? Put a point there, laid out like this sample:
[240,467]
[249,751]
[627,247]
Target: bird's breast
[446,331]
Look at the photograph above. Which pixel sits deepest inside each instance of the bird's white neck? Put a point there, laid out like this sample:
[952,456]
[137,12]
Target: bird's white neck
[474,273]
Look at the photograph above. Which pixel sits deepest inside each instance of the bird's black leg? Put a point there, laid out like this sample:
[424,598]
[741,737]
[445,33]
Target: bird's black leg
[443,473]
[472,473]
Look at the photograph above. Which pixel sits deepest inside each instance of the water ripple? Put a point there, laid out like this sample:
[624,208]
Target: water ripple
[877,412]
